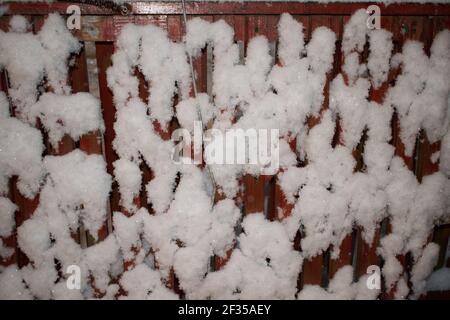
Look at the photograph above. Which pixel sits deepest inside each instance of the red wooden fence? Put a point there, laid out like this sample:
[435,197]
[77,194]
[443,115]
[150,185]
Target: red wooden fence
[100,27]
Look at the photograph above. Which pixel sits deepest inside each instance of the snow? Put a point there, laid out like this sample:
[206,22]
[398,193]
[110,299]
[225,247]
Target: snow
[7,222]
[355,32]
[380,53]
[58,43]
[350,102]
[444,157]
[127,231]
[181,228]
[128,176]
[319,50]
[423,84]
[186,111]
[256,271]
[414,209]
[178,224]
[224,218]
[31,58]
[341,287]
[12,287]
[220,35]
[73,115]
[326,221]
[4,106]
[250,87]
[80,185]
[61,292]
[145,283]
[19,24]
[423,268]
[5,251]
[439,280]
[34,244]
[40,279]
[74,188]
[135,137]
[427,204]
[364,197]
[435,157]
[23,56]
[21,149]
[291,43]
[162,63]
[99,260]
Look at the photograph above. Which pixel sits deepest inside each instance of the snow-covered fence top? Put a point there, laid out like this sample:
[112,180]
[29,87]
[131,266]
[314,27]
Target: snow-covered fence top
[87,178]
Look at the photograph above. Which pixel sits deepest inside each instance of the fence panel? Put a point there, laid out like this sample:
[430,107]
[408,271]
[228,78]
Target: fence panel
[99,30]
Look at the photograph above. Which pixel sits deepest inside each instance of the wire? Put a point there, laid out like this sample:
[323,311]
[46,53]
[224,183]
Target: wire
[199,113]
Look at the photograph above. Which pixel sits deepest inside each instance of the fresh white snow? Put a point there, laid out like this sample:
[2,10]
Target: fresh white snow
[184,227]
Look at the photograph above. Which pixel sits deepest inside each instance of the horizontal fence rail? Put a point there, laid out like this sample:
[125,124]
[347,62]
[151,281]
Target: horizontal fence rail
[239,8]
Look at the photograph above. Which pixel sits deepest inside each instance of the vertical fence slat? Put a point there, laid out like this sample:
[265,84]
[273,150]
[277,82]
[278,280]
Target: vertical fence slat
[404,28]
[11,241]
[366,254]
[26,207]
